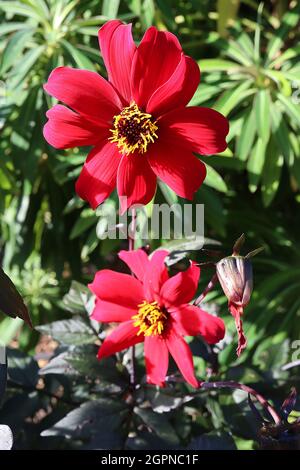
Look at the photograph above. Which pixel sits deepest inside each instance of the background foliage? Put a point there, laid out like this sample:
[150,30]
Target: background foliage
[248,54]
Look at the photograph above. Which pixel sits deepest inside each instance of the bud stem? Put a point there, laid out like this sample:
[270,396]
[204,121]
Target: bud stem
[208,288]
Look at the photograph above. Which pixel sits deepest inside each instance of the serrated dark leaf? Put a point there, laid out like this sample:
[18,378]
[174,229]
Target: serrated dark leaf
[78,298]
[164,401]
[145,440]
[159,424]
[19,408]
[213,441]
[59,365]
[73,331]
[22,369]
[11,302]
[105,374]
[99,421]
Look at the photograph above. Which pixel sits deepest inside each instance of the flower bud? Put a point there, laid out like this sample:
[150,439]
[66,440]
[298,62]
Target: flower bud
[235,276]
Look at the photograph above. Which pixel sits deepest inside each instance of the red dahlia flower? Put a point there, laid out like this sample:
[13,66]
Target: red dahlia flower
[153,308]
[137,121]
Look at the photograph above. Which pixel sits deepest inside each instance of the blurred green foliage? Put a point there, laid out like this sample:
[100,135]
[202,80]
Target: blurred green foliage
[249,60]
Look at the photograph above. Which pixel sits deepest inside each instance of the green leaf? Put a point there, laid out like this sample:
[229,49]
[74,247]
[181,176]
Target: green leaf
[256,163]
[110,8]
[289,21]
[61,14]
[271,354]
[214,180]
[42,6]
[73,331]
[281,135]
[10,27]
[271,173]
[237,53]
[78,57]
[245,43]
[291,109]
[148,12]
[8,330]
[231,98]
[204,93]
[213,65]
[24,66]
[14,48]
[257,33]
[290,53]
[170,196]
[86,220]
[281,81]
[262,110]
[17,8]
[246,138]
[227,12]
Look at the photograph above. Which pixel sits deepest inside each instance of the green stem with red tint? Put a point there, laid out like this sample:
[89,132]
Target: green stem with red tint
[131,240]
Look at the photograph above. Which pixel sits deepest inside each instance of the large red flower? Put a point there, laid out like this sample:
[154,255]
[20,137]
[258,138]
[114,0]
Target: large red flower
[137,121]
[153,308]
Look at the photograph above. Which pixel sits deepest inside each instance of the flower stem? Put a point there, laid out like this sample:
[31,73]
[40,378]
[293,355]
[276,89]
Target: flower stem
[207,289]
[235,385]
[131,241]
[131,236]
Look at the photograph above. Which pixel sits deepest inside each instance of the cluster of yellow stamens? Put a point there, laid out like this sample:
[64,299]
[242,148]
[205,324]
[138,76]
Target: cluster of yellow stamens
[150,319]
[133,130]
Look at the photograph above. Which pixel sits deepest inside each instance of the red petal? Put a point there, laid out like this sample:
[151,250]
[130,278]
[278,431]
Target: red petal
[154,63]
[157,360]
[237,311]
[117,49]
[177,167]
[181,288]
[136,260]
[155,276]
[202,130]
[117,288]
[136,182]
[183,357]
[108,312]
[99,174]
[66,129]
[124,336]
[85,92]
[192,321]
[178,90]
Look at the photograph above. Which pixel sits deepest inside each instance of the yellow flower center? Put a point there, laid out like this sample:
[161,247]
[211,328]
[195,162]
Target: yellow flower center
[151,319]
[133,130]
